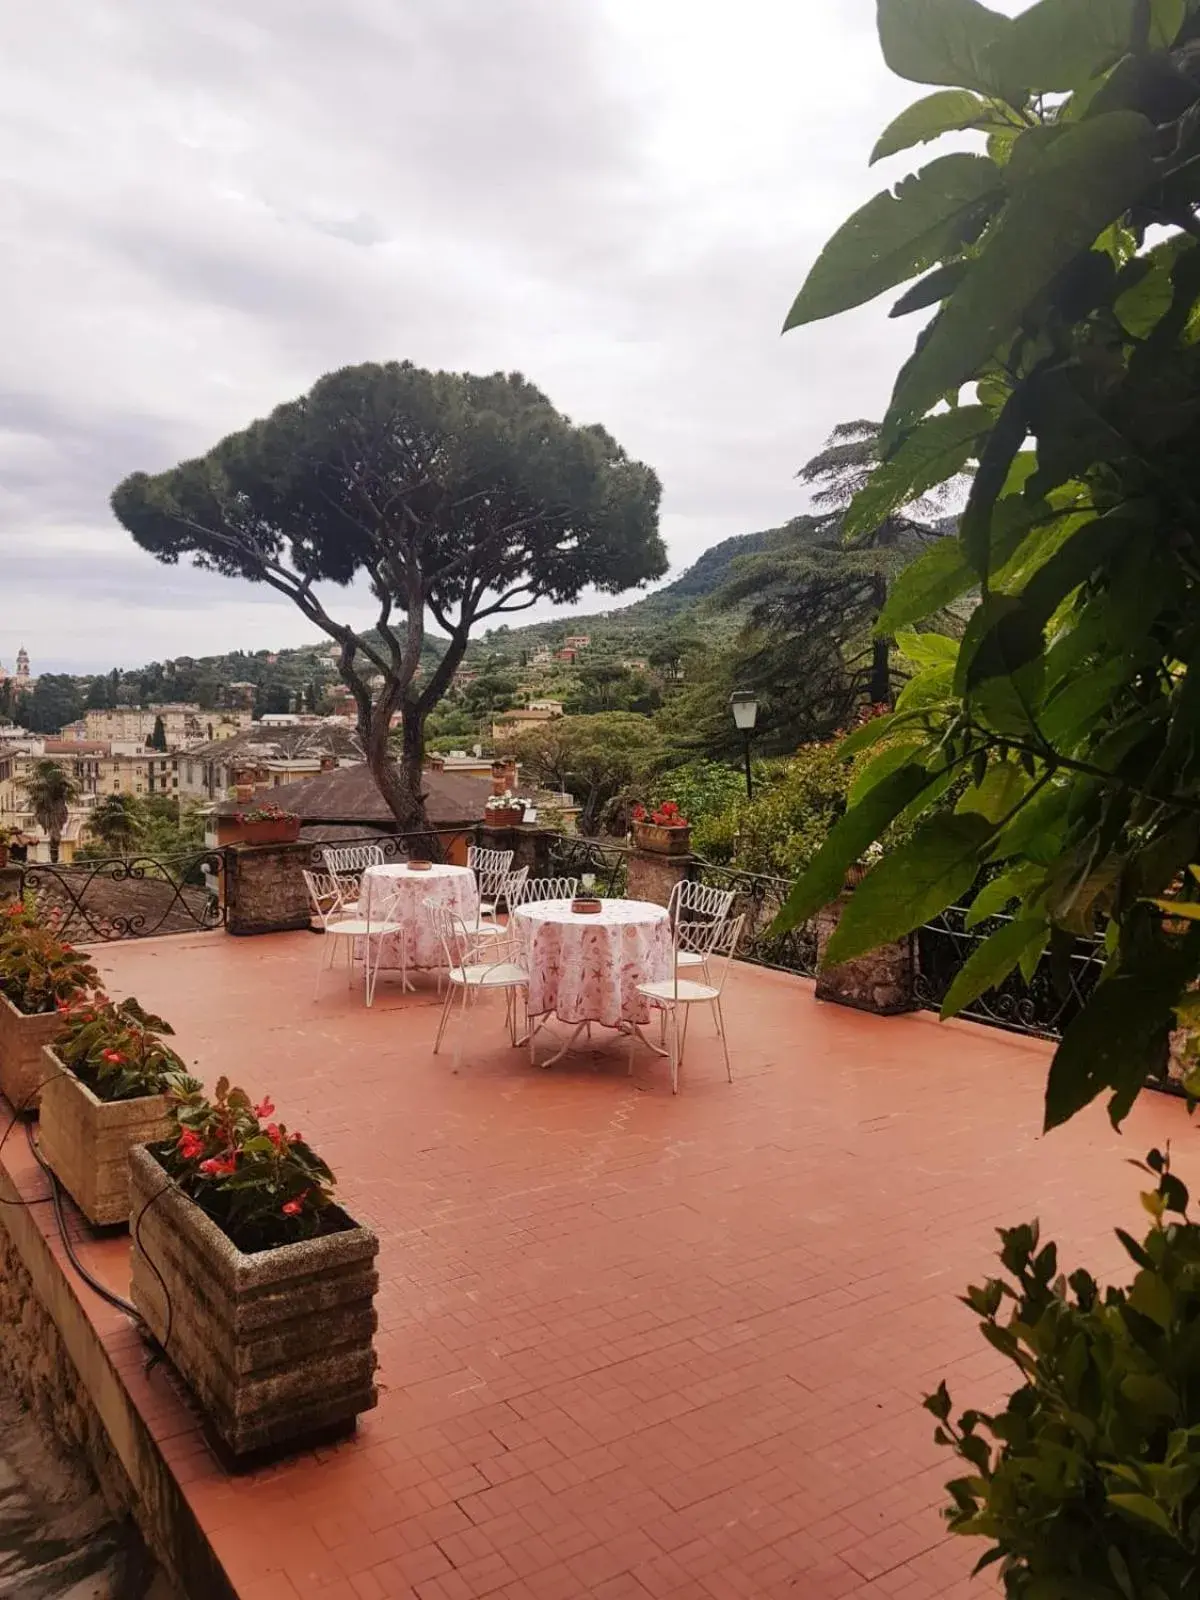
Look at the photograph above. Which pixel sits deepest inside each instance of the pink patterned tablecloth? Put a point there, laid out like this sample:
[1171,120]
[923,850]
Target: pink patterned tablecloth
[587,968]
[450,886]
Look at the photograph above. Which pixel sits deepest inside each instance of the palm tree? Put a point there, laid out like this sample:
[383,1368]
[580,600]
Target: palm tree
[117,822]
[51,790]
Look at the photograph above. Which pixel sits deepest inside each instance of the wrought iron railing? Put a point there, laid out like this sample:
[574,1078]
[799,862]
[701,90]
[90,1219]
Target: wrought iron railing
[441,844]
[1044,1006]
[569,855]
[759,899]
[129,897]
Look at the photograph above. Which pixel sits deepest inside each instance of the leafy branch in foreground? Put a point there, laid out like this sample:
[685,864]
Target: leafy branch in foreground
[1088,1481]
[1061,262]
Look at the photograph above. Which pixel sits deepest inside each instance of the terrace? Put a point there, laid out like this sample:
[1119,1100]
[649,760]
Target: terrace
[630,1345]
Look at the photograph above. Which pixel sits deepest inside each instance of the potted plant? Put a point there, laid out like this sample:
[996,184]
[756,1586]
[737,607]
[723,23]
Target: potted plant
[258,1286]
[504,811]
[8,837]
[108,1080]
[268,824]
[38,974]
[664,831]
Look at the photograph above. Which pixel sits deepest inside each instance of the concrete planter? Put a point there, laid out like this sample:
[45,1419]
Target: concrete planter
[87,1140]
[22,1038]
[882,981]
[276,1346]
[662,841]
[282,830]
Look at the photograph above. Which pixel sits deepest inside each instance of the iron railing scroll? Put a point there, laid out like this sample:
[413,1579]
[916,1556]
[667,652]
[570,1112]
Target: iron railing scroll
[442,844]
[129,897]
[570,855]
[759,899]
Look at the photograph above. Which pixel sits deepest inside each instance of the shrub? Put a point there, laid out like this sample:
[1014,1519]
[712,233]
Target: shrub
[785,825]
[260,1184]
[117,1049]
[38,972]
[1088,1481]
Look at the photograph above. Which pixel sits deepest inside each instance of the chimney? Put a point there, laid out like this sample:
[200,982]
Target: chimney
[504,776]
[328,763]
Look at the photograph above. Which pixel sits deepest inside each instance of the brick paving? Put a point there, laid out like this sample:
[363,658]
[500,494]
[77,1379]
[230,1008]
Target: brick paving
[630,1345]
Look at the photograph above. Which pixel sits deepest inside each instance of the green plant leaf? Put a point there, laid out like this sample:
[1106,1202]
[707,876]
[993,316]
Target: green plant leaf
[1061,44]
[1140,309]
[935,450]
[912,884]
[1087,179]
[1143,1509]
[888,760]
[991,962]
[996,895]
[897,235]
[932,581]
[933,287]
[1166,19]
[927,649]
[847,840]
[943,42]
[1003,785]
[929,118]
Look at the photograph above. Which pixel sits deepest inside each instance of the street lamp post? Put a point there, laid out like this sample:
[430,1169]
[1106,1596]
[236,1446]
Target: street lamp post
[744,705]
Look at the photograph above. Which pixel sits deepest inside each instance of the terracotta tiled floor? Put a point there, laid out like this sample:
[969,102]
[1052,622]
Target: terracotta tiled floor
[633,1345]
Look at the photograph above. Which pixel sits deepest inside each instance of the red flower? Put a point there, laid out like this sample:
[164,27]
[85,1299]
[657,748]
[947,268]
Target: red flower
[639,812]
[112,1055]
[291,1208]
[190,1144]
[275,1134]
[219,1166]
[264,1108]
[295,1138]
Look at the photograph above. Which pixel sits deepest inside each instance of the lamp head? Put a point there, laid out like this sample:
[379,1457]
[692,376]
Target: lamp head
[744,705]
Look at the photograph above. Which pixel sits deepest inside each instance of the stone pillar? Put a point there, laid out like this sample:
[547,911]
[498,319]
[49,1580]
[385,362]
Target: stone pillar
[882,981]
[652,876]
[264,889]
[10,884]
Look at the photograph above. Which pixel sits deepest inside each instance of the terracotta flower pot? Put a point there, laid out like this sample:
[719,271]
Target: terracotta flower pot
[281,830]
[22,1038]
[87,1140]
[504,816]
[277,1346]
[662,841]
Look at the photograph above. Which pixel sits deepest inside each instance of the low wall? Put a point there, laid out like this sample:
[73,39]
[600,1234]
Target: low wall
[264,888]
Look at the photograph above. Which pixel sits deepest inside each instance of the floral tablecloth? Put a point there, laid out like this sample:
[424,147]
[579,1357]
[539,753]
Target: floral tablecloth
[587,968]
[417,943]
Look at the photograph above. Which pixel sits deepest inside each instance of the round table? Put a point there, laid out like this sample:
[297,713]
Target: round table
[416,945]
[586,967]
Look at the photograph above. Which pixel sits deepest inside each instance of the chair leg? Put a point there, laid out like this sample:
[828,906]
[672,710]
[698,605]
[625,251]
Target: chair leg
[446,1004]
[724,1036]
[687,1011]
[674,1049]
[462,1028]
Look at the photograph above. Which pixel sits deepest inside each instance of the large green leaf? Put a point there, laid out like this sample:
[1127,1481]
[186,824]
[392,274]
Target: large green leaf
[927,649]
[992,961]
[912,884]
[847,840]
[897,235]
[1086,180]
[943,41]
[1166,19]
[934,287]
[996,895]
[932,581]
[935,450]
[939,113]
[1060,44]
[1003,785]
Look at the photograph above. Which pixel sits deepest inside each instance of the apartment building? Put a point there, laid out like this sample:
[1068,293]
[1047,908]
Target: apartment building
[184,725]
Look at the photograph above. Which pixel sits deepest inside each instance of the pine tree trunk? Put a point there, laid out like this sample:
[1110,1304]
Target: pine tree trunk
[881,671]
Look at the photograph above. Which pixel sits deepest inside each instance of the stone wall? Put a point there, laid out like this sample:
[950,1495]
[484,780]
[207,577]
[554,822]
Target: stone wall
[264,888]
[882,981]
[652,877]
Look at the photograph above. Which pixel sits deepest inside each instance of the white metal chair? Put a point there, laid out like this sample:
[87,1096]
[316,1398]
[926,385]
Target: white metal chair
[469,976]
[716,942]
[691,903]
[372,930]
[327,894]
[347,863]
[490,867]
[535,889]
[485,926]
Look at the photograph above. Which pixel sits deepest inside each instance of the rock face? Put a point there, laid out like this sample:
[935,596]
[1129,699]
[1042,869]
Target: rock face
[87,1141]
[882,981]
[277,1346]
[22,1069]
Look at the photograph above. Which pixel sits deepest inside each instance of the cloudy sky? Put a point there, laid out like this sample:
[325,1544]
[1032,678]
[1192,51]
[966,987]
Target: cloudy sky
[208,203]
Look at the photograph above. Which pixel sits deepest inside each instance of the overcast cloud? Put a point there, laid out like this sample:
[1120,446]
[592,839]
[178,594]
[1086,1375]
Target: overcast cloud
[207,205]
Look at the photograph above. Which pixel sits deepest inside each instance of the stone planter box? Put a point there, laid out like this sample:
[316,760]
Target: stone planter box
[22,1039]
[504,816]
[882,981]
[276,1346]
[662,841]
[87,1141]
[284,831]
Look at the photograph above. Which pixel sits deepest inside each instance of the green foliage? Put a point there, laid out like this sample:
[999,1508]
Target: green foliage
[53,701]
[116,822]
[38,972]
[599,759]
[450,495]
[261,1184]
[51,791]
[796,803]
[1070,303]
[116,1048]
[1087,1482]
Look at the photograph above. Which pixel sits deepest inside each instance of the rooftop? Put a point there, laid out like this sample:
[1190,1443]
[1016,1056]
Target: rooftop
[630,1345]
[350,794]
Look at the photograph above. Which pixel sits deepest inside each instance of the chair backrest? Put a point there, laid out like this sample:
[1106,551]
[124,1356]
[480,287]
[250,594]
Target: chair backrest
[514,886]
[452,933]
[697,902]
[326,893]
[721,950]
[481,860]
[549,889]
[346,858]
